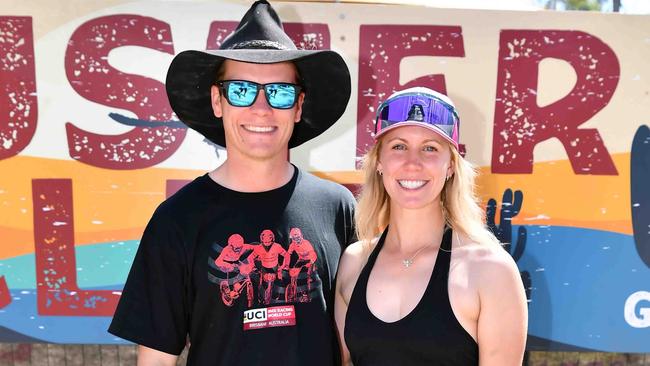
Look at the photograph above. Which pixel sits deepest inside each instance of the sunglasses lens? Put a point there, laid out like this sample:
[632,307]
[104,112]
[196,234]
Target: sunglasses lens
[241,93]
[280,95]
[419,108]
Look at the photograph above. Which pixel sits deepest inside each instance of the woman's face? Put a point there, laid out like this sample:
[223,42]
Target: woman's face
[414,161]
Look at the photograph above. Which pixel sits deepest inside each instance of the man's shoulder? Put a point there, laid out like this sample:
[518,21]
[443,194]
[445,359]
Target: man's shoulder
[324,189]
[187,197]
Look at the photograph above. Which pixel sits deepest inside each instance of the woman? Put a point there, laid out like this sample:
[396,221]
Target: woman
[435,288]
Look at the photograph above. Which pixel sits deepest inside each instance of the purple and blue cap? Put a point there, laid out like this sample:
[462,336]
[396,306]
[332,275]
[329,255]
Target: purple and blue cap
[419,107]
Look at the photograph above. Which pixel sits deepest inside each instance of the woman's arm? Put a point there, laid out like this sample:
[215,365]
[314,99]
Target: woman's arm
[340,309]
[503,317]
[350,266]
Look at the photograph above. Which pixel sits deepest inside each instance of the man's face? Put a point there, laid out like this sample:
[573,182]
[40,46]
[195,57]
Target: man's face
[236,242]
[296,235]
[258,132]
[267,237]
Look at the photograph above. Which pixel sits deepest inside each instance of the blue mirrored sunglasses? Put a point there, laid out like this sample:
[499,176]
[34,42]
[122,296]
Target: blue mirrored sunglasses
[243,93]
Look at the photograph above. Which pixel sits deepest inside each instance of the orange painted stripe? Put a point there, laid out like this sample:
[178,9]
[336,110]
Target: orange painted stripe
[114,205]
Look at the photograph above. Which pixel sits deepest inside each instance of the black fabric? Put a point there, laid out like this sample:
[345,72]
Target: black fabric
[429,335]
[184,282]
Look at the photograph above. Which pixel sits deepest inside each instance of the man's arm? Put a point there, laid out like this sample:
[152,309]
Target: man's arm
[312,253]
[151,357]
[221,263]
[287,257]
[151,310]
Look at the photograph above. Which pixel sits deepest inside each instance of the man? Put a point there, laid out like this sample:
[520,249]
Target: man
[257,96]
[231,256]
[268,255]
[233,262]
[306,258]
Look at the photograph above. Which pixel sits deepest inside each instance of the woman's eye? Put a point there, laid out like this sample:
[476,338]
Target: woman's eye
[430,148]
[399,147]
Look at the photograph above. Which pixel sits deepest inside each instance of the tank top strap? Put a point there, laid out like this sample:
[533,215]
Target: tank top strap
[441,269]
[358,296]
[375,252]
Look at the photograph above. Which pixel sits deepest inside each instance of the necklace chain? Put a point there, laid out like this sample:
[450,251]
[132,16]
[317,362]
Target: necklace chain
[409,261]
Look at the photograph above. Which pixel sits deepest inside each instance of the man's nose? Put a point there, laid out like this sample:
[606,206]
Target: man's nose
[261,105]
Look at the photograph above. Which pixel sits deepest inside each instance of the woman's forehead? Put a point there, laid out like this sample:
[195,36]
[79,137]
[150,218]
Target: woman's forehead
[413,134]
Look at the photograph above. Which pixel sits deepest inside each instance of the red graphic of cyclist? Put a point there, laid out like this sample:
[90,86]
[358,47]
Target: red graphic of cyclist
[306,260]
[230,262]
[268,254]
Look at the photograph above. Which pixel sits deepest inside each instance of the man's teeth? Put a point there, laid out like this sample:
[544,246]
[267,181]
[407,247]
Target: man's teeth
[259,128]
[411,184]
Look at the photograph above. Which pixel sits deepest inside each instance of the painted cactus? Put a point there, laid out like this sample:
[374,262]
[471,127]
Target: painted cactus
[510,207]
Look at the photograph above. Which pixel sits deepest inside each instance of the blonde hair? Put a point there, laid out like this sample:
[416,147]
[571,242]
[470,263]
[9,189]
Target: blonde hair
[460,204]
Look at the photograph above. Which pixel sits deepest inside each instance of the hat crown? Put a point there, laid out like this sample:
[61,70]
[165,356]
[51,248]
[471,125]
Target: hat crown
[260,28]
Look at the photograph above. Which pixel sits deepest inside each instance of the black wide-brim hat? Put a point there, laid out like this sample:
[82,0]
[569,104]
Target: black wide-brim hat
[259,38]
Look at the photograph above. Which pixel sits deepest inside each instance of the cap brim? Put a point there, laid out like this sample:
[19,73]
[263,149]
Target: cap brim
[418,124]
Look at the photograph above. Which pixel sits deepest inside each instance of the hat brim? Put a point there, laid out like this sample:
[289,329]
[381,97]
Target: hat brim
[324,76]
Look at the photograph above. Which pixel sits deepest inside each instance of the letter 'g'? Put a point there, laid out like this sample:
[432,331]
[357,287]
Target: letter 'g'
[643,320]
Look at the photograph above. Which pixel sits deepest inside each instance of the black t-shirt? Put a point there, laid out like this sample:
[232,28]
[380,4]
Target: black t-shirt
[249,277]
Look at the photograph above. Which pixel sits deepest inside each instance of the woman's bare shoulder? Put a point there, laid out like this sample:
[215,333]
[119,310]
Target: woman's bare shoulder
[353,259]
[488,264]
[357,253]
[483,257]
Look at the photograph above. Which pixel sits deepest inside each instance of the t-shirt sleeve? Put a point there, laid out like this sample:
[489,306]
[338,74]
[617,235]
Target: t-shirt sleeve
[153,309]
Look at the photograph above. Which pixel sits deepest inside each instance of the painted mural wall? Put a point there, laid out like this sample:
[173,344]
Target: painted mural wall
[555,109]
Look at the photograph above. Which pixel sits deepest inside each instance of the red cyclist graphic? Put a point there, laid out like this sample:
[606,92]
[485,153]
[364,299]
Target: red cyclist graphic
[268,255]
[306,260]
[256,270]
[230,262]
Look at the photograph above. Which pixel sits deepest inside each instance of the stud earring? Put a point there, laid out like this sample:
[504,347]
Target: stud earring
[380,172]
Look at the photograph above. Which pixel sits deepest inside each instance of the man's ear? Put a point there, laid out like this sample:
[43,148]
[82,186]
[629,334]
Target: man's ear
[215,96]
[301,99]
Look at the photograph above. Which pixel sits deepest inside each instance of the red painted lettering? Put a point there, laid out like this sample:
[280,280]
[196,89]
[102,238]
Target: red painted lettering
[520,124]
[90,74]
[5,295]
[18,108]
[56,271]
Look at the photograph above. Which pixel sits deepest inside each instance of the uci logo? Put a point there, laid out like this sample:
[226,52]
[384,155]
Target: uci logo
[254,315]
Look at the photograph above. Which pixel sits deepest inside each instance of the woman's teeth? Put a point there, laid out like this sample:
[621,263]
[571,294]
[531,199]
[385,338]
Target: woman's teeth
[411,184]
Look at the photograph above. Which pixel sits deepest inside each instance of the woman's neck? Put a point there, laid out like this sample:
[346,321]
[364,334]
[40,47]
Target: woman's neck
[411,229]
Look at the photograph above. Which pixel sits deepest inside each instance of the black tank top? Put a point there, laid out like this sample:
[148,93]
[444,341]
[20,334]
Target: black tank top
[429,335]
